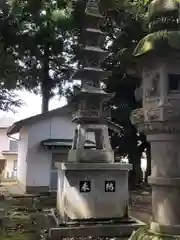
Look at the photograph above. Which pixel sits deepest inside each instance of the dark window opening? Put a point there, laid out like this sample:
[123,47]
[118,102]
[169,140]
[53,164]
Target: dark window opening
[53,166]
[174,82]
[98,138]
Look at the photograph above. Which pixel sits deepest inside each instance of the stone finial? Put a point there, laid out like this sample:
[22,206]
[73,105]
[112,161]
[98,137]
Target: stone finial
[163,15]
[164,29]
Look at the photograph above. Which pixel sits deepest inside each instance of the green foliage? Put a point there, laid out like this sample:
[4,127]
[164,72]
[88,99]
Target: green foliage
[8,100]
[8,61]
[41,41]
[127,26]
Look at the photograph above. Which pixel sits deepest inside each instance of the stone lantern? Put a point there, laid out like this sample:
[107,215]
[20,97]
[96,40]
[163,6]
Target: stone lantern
[92,196]
[158,60]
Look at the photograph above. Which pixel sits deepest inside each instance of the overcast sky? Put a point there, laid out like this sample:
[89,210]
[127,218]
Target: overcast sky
[32,106]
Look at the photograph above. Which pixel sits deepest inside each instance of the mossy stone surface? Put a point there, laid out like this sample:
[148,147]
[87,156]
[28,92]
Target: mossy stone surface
[159,42]
[144,234]
[157,7]
[17,236]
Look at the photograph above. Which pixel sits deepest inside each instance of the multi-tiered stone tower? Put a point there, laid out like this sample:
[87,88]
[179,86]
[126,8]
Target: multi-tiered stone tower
[158,58]
[92,192]
[90,115]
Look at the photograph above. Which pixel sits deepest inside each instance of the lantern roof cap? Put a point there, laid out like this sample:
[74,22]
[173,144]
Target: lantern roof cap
[163,7]
[159,42]
[164,29]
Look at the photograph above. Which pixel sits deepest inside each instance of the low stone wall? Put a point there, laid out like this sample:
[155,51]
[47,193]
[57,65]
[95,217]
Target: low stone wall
[8,179]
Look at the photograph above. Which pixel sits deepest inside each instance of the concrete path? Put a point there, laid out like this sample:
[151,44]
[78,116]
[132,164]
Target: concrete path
[13,189]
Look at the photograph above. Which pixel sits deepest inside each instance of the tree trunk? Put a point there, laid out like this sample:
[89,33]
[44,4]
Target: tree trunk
[148,169]
[135,175]
[45,86]
[45,100]
[134,156]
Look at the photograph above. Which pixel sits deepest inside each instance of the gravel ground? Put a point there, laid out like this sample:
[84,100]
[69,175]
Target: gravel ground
[140,205]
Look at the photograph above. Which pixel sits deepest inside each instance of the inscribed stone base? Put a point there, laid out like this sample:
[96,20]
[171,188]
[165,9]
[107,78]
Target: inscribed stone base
[92,191]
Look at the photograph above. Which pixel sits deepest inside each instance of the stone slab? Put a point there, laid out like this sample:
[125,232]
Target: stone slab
[90,155]
[90,238]
[99,230]
[94,166]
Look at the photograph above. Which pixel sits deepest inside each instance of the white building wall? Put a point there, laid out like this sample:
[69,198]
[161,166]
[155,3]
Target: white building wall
[4,140]
[62,127]
[22,157]
[38,162]
[39,158]
[8,169]
[9,172]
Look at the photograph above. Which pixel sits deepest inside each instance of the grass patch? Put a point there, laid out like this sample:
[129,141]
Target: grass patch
[18,236]
[22,218]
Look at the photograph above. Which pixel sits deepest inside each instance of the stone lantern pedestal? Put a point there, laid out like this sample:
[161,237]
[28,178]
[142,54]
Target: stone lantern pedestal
[165,180]
[163,133]
[92,191]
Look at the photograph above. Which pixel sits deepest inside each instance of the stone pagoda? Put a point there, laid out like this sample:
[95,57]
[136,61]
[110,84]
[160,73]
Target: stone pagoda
[91,99]
[92,197]
[158,60]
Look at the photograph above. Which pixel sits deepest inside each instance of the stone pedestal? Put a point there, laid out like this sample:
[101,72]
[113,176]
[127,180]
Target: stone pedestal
[92,200]
[164,137]
[165,181]
[92,191]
